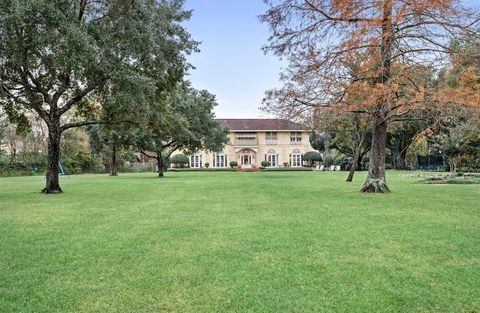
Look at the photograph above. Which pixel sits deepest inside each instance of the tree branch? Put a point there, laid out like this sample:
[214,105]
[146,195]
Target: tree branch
[94,122]
[77,98]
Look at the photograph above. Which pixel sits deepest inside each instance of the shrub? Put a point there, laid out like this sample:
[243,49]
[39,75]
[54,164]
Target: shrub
[265,163]
[179,160]
[311,157]
[4,158]
[15,169]
[214,169]
[288,169]
[328,161]
[344,161]
[82,162]
[286,164]
[233,164]
[40,161]
[207,165]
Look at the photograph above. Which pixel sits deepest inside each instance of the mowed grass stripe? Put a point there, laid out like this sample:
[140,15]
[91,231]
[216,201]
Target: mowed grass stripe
[238,242]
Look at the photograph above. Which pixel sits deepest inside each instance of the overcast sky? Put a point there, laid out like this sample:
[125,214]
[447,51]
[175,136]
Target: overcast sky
[231,64]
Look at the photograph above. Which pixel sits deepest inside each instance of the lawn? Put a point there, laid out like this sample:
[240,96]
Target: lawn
[238,242]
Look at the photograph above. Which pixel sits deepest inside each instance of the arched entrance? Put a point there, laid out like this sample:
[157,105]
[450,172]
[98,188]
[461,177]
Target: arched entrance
[247,158]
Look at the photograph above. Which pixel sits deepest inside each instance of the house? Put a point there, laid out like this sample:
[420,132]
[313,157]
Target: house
[254,140]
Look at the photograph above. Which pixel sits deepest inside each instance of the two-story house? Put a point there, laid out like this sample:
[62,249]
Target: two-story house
[255,140]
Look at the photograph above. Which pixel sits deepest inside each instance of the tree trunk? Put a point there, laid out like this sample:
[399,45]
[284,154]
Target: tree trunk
[54,133]
[113,165]
[452,162]
[353,168]
[13,154]
[160,165]
[376,181]
[394,159]
[402,159]
[360,160]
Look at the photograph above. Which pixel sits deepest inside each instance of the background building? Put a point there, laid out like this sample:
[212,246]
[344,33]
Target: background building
[252,141]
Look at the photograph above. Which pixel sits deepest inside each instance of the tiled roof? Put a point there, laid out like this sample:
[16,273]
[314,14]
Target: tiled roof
[258,124]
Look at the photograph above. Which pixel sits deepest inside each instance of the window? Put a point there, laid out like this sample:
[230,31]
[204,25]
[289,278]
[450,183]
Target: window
[271,138]
[273,159]
[295,137]
[196,161]
[219,160]
[246,139]
[246,135]
[296,160]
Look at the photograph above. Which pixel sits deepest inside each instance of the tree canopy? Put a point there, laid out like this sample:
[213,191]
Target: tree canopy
[182,120]
[387,42]
[58,55]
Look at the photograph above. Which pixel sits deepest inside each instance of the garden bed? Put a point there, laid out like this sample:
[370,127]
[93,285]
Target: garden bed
[468,178]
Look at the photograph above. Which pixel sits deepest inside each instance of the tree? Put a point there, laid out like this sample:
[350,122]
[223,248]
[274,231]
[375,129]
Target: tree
[352,138]
[320,141]
[456,139]
[312,157]
[3,127]
[59,56]
[390,39]
[179,159]
[455,131]
[403,133]
[110,139]
[182,120]
[12,139]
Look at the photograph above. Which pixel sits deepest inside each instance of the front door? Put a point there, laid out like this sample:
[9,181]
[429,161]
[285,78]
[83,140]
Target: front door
[246,159]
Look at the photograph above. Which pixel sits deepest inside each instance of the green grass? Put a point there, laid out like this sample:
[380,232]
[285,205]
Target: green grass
[238,242]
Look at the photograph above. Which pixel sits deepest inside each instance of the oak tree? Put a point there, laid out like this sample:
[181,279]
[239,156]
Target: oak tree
[180,120]
[57,56]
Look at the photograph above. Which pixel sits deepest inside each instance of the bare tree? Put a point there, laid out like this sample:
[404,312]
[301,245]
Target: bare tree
[390,40]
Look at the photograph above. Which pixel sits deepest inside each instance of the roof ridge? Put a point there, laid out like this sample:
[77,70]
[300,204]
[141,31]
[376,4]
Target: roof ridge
[251,118]
[258,124]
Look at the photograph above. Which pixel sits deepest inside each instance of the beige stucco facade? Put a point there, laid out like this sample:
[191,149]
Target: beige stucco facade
[250,148]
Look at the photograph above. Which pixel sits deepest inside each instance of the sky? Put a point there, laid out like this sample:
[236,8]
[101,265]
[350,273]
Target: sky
[231,64]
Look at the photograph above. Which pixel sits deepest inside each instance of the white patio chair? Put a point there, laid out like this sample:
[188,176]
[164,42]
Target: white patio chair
[332,168]
[322,168]
[338,168]
[316,168]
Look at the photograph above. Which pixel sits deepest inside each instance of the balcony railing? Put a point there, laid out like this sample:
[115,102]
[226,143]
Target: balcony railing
[271,141]
[246,142]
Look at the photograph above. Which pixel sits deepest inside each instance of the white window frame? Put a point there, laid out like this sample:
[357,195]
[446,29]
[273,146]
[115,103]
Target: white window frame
[273,159]
[246,159]
[296,160]
[271,138]
[196,161]
[220,160]
[296,137]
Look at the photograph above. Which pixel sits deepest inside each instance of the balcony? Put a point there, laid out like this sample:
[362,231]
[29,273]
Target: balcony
[250,142]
